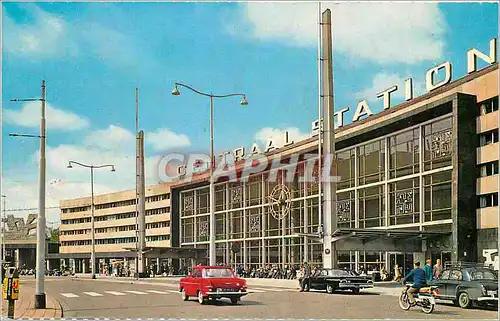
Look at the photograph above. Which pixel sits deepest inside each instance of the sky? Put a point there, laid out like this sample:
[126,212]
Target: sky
[93,56]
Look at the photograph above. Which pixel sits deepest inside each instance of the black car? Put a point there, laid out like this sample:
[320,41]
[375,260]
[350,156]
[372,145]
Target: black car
[466,286]
[338,279]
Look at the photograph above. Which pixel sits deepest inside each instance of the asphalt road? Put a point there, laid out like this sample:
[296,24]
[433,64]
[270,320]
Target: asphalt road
[84,298]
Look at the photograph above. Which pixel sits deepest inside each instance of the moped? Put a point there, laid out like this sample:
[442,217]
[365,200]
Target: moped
[425,298]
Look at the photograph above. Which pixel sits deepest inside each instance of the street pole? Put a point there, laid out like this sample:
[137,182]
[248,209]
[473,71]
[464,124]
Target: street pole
[212,253]
[92,255]
[244,102]
[40,248]
[137,183]
[330,187]
[92,208]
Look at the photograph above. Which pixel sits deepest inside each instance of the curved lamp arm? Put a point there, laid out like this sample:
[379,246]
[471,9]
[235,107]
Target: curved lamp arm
[175,92]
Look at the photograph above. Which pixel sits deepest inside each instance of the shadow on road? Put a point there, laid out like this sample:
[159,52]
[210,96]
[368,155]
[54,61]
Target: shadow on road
[343,293]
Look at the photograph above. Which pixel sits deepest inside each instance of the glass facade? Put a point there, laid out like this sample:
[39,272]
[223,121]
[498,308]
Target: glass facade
[402,180]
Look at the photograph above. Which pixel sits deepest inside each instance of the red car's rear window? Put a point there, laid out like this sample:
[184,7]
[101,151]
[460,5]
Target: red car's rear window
[218,273]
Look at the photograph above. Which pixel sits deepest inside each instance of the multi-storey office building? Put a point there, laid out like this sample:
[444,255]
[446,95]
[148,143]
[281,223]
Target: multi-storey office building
[417,180]
[115,226]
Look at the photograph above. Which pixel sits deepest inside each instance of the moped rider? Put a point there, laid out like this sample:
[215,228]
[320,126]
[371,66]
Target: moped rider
[419,281]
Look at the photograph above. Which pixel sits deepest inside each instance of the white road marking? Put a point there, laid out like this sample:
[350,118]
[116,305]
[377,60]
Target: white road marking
[136,292]
[93,293]
[173,291]
[158,292]
[70,295]
[268,289]
[255,291]
[115,293]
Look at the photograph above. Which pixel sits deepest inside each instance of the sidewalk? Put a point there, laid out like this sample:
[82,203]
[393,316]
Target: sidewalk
[25,306]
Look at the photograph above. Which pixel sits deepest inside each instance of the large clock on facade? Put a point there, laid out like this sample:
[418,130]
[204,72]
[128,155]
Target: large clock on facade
[280,201]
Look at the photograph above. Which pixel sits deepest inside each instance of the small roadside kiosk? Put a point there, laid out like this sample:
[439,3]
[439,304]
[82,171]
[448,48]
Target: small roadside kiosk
[10,290]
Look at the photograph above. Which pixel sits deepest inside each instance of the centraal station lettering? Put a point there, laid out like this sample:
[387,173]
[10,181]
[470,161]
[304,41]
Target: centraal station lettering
[363,110]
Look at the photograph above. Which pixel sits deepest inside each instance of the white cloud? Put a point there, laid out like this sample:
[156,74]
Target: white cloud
[46,37]
[163,139]
[113,137]
[29,116]
[50,36]
[276,134]
[381,32]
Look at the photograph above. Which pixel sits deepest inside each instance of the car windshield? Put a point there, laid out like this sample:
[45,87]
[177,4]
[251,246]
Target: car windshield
[218,273]
[483,275]
[341,273]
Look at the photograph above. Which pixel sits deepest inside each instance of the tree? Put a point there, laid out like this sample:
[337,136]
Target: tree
[54,235]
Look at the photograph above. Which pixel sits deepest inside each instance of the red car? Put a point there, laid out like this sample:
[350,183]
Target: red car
[212,282]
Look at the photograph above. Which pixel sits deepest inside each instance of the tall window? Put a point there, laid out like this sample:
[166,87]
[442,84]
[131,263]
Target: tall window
[202,201]
[220,197]
[438,144]
[371,207]
[345,209]
[404,154]
[345,169]
[437,196]
[404,202]
[371,160]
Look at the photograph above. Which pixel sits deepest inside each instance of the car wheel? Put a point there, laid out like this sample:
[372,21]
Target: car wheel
[355,291]
[329,288]
[464,300]
[184,296]
[201,299]
[234,301]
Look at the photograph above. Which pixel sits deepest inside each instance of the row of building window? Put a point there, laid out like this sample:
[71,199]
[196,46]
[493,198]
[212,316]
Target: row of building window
[488,200]
[488,138]
[149,199]
[488,169]
[488,106]
[158,225]
[121,216]
[120,240]
[157,238]
[117,228]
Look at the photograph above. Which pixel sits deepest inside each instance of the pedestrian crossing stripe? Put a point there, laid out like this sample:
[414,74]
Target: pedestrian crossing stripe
[115,293]
[69,295]
[136,292]
[268,289]
[93,293]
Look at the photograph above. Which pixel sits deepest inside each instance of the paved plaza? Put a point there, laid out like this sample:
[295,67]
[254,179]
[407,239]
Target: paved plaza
[159,298]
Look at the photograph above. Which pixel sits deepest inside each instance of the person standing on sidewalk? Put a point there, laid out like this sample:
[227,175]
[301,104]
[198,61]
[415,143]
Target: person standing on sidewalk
[305,279]
[428,270]
[436,271]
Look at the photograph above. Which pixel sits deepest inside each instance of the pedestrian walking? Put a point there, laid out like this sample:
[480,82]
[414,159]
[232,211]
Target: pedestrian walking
[305,280]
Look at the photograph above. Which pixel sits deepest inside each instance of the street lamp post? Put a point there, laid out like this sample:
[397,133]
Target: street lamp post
[40,302]
[92,231]
[244,102]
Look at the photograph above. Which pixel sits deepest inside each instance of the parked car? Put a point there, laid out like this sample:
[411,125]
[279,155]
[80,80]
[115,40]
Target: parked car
[468,285]
[338,279]
[212,282]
